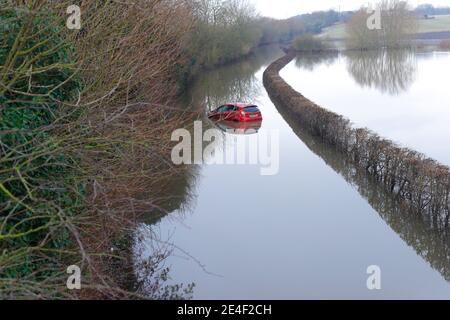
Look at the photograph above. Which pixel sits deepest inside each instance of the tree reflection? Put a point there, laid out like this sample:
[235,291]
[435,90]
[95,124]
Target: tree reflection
[390,71]
[309,61]
[428,236]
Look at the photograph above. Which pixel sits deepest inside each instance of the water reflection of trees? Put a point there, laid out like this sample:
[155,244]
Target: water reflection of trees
[429,239]
[390,71]
[309,61]
[235,82]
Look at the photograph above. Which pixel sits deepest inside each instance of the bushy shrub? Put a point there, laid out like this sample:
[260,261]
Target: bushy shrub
[36,180]
[308,42]
[83,132]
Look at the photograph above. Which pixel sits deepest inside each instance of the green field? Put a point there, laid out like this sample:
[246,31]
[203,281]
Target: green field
[439,24]
[334,32]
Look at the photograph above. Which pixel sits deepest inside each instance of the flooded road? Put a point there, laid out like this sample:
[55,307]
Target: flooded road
[401,95]
[311,230]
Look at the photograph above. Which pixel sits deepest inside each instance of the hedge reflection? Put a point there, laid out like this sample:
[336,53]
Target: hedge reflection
[415,187]
[427,235]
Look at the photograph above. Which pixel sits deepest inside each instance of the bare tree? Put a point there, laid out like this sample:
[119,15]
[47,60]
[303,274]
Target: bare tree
[397,25]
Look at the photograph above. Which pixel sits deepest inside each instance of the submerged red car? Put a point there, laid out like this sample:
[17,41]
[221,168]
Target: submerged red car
[236,112]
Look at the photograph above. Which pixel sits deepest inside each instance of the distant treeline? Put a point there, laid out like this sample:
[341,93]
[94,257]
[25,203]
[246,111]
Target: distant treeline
[288,29]
[85,123]
[430,10]
[226,30]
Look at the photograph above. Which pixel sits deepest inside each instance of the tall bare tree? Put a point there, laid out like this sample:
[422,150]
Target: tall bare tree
[397,24]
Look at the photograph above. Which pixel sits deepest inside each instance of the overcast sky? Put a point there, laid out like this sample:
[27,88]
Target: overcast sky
[288,8]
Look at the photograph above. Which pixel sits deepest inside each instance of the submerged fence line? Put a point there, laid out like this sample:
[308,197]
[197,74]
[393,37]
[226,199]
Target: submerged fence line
[421,183]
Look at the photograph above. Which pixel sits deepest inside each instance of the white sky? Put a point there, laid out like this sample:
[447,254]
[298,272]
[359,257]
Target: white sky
[287,8]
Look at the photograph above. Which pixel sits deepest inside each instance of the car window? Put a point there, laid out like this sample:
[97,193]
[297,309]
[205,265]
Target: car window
[230,108]
[222,109]
[251,109]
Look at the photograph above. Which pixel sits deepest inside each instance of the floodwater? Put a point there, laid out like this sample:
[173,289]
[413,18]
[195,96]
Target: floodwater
[401,95]
[311,229]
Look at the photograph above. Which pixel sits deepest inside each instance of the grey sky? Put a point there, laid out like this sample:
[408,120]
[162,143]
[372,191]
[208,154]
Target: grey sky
[289,8]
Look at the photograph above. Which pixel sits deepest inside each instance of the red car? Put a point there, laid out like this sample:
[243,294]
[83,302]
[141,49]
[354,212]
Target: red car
[236,112]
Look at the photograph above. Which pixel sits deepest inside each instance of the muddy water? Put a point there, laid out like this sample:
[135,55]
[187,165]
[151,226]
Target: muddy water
[312,229]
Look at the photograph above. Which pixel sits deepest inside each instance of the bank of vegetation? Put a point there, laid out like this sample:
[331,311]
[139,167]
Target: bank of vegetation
[308,43]
[86,117]
[227,30]
[421,185]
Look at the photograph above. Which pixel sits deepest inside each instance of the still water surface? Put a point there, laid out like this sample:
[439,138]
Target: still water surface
[401,95]
[312,230]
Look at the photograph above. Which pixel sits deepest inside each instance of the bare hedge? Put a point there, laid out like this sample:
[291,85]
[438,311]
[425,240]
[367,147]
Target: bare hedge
[421,183]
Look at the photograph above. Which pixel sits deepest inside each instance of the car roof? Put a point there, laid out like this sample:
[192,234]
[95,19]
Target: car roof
[241,104]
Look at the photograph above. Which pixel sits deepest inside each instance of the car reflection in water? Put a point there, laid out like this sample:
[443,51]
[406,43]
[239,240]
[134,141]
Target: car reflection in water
[240,128]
